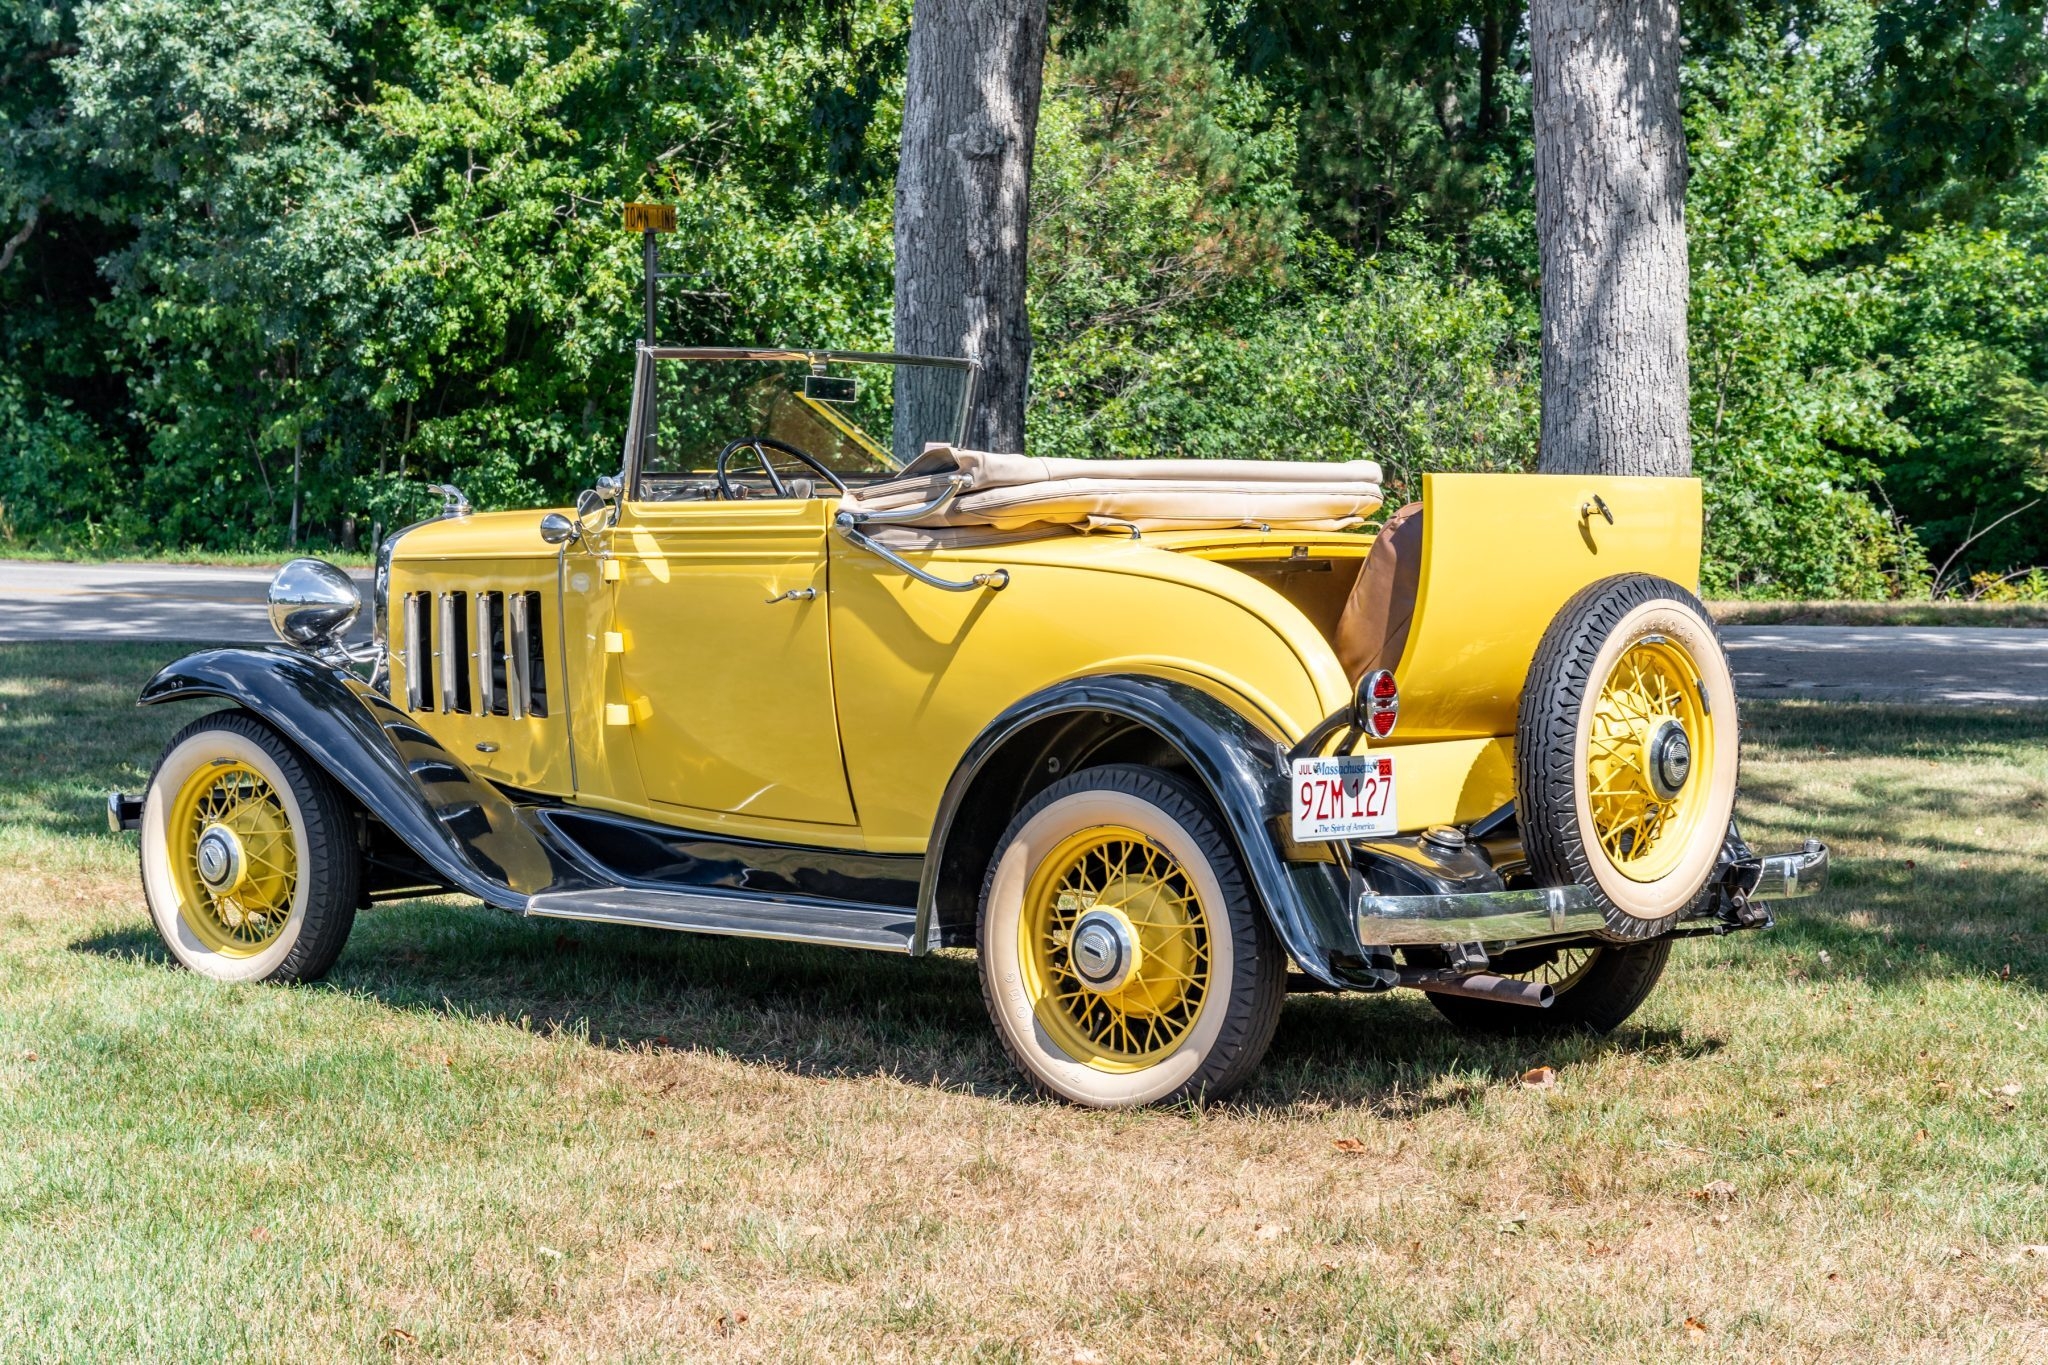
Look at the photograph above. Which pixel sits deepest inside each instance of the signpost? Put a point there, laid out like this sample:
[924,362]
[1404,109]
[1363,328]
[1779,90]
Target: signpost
[651,220]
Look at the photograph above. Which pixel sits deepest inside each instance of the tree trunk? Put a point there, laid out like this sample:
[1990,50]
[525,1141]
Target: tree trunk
[1491,33]
[970,117]
[1610,227]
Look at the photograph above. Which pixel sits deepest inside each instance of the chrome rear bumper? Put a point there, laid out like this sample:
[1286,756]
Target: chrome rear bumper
[1554,911]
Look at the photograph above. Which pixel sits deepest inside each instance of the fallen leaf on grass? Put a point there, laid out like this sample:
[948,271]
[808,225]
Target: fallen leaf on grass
[706,1244]
[1695,1330]
[259,1235]
[1513,1223]
[398,1336]
[2011,1088]
[29,1057]
[1714,1192]
[1266,1232]
[2034,1252]
[1351,1145]
[1540,1077]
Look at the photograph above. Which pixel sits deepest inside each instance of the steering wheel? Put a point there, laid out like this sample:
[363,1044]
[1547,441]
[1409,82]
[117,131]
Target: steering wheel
[760,445]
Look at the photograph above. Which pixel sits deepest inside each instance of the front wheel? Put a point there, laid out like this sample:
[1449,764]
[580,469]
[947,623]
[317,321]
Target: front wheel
[1122,959]
[248,860]
[1596,987]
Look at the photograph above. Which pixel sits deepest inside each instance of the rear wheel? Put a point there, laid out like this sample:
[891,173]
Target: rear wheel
[1625,758]
[1122,959]
[248,861]
[1597,986]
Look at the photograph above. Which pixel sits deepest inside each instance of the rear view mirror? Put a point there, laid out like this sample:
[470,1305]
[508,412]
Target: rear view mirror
[831,388]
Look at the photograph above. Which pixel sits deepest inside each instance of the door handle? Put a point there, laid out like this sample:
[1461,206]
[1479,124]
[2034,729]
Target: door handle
[795,595]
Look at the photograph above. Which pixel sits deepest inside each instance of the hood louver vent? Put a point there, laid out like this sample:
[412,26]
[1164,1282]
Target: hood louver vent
[475,654]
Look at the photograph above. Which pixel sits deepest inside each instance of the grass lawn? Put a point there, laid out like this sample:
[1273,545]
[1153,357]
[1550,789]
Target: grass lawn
[490,1139]
[2032,614]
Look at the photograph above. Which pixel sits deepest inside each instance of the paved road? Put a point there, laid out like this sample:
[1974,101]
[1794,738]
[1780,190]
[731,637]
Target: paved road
[139,602]
[1959,665]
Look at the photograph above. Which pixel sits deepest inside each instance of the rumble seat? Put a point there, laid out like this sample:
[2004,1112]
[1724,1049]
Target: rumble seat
[1014,492]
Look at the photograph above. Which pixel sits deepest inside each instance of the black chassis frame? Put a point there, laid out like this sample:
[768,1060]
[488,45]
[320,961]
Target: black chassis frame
[432,824]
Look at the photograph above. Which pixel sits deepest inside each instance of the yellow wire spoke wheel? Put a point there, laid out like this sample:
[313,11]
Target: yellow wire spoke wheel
[250,859]
[233,857]
[1625,753]
[1649,731]
[1122,957]
[1116,949]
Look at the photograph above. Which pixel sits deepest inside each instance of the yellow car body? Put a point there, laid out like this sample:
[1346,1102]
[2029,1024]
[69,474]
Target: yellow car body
[725,706]
[695,698]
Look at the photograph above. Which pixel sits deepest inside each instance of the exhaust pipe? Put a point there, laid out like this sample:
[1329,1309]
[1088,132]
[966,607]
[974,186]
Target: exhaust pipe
[1482,986]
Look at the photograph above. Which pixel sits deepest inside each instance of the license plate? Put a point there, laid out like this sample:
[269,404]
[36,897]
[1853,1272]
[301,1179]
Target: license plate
[1347,797]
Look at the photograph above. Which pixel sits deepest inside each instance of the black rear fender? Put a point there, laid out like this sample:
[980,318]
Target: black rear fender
[1087,722]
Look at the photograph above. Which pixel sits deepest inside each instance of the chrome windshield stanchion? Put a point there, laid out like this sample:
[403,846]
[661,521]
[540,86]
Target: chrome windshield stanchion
[850,524]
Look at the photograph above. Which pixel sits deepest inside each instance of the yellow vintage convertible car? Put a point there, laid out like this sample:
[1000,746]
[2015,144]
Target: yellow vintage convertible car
[1160,740]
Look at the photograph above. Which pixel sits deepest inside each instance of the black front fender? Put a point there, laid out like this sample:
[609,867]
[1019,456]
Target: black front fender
[1244,769]
[461,825]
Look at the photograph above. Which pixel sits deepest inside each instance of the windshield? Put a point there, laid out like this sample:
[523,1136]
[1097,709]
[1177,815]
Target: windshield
[863,417]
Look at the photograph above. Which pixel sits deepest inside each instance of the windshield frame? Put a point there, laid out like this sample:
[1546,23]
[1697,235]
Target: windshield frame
[647,356]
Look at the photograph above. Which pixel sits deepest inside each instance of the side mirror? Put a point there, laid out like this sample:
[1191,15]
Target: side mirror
[557,529]
[594,512]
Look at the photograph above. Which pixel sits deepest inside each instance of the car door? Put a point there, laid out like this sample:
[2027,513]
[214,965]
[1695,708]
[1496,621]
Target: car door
[724,660]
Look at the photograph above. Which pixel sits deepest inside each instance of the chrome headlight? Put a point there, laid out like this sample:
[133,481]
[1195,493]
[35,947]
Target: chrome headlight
[312,604]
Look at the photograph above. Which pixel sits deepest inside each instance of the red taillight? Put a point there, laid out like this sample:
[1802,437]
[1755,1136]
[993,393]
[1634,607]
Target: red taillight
[1379,701]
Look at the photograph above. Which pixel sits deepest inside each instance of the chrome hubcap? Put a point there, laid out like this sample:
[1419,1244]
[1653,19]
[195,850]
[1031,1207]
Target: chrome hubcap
[220,857]
[1105,950]
[1670,755]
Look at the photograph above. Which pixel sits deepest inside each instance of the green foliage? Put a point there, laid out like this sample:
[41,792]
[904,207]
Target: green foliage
[272,268]
[1181,308]
[360,249]
[1790,392]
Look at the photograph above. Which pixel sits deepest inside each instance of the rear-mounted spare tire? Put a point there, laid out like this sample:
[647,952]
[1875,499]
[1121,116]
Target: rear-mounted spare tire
[1625,753]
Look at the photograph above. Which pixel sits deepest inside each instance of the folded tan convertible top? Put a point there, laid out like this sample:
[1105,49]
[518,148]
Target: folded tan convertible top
[1012,492]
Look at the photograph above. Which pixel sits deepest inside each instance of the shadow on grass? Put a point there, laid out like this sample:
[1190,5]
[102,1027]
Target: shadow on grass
[70,732]
[837,1013]
[1930,893]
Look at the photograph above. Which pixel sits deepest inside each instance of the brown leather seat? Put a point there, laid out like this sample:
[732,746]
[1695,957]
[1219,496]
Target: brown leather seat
[1373,627]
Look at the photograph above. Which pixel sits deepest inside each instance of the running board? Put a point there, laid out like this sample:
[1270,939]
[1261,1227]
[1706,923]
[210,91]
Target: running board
[879,927]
